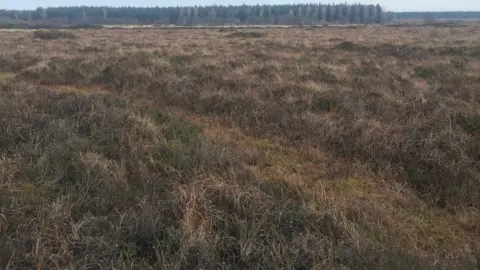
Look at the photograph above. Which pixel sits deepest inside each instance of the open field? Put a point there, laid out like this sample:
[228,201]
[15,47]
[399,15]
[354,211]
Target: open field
[439,20]
[240,149]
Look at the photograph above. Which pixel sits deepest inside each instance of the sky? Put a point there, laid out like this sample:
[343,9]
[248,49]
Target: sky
[391,5]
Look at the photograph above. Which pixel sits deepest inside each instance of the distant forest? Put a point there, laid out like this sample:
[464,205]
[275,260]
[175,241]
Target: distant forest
[303,14]
[258,14]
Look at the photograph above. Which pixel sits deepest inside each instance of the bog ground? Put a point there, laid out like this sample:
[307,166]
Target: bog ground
[240,149]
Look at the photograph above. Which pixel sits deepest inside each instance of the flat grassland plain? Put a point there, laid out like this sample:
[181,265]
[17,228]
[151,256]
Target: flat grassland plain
[227,149]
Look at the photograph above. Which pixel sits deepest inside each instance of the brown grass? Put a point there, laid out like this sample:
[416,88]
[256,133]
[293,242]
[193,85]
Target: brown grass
[75,89]
[52,34]
[273,148]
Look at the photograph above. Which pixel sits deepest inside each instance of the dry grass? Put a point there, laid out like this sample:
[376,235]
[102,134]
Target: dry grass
[52,34]
[274,148]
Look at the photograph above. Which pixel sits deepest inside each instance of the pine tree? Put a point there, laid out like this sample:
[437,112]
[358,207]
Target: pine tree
[380,15]
[299,15]
[372,14]
[291,13]
[212,15]
[353,14]
[337,13]
[43,13]
[195,12]
[315,13]
[243,15]
[363,14]
[268,12]
[308,11]
[346,13]
[329,15]
[104,13]
[322,13]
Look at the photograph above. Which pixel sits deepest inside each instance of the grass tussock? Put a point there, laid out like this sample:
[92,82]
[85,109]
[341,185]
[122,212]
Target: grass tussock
[84,26]
[246,34]
[291,151]
[17,61]
[349,46]
[53,34]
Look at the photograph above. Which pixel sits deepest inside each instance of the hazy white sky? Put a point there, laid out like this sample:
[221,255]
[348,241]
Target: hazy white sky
[393,5]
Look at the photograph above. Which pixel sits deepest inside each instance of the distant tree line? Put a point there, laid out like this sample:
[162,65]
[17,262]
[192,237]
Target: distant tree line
[193,15]
[245,14]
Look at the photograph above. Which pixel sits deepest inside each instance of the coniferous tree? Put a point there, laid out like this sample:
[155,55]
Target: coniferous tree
[380,14]
[212,15]
[104,13]
[268,12]
[329,16]
[243,14]
[363,14]
[337,13]
[372,14]
[345,15]
[43,13]
[315,11]
[322,13]
[308,11]
[353,16]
